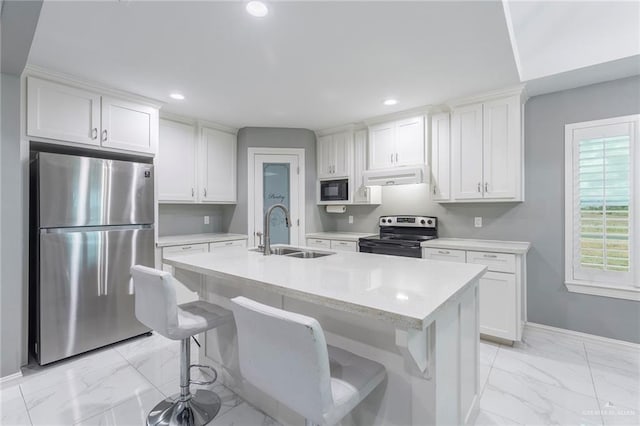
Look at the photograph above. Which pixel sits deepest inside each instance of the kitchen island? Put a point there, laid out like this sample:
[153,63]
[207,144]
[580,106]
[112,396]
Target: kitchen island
[419,318]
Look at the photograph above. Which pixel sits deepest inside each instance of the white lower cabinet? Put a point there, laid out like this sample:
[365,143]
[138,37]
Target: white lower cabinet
[502,289]
[498,305]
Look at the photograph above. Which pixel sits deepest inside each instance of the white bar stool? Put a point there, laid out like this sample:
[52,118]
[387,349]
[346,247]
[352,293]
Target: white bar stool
[156,307]
[286,356]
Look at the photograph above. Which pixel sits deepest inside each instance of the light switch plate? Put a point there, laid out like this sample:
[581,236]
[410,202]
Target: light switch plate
[477,221]
[350,219]
[206,220]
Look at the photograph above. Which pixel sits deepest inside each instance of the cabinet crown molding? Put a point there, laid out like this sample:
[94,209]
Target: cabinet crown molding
[334,130]
[518,90]
[62,78]
[408,113]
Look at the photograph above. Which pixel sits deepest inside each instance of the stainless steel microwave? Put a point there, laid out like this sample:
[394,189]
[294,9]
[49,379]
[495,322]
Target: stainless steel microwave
[334,190]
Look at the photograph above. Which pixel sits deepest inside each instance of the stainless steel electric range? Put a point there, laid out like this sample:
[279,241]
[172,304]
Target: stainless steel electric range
[401,235]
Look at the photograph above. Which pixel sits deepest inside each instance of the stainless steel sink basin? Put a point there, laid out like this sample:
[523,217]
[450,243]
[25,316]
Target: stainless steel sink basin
[309,254]
[296,252]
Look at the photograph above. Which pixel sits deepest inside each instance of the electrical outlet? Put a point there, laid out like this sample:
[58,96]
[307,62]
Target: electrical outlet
[350,219]
[477,222]
[206,220]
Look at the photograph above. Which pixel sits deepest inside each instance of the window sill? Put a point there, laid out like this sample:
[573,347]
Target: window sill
[596,289]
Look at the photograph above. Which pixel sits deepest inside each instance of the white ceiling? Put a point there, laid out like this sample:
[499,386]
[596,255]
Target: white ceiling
[553,37]
[307,64]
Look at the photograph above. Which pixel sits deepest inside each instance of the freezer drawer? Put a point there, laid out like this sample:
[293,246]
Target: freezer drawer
[84,292]
[84,191]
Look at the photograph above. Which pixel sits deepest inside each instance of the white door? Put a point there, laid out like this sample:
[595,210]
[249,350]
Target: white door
[381,146]
[276,181]
[466,153]
[218,166]
[128,126]
[176,162]
[409,142]
[342,148]
[57,111]
[498,305]
[325,156]
[440,148]
[501,148]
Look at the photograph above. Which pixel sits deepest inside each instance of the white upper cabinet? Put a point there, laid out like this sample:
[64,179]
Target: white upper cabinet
[409,141]
[128,126]
[397,143]
[176,162]
[440,156]
[334,155]
[486,151]
[381,145]
[362,194]
[501,149]
[466,152]
[65,113]
[62,112]
[217,166]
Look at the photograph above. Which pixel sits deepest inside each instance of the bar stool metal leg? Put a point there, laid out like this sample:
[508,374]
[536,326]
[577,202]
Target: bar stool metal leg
[185,408]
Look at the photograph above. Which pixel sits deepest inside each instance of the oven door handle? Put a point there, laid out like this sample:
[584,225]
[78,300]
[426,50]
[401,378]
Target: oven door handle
[374,244]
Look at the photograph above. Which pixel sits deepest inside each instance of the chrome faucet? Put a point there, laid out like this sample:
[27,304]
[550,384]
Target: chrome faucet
[266,228]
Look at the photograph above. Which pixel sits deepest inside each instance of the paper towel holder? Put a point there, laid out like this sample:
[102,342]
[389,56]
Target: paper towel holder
[336,209]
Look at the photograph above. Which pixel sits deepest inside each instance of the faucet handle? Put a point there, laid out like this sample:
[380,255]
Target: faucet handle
[259,235]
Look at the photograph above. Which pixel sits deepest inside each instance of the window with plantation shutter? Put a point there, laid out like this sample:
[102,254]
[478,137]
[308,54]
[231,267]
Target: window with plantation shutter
[601,207]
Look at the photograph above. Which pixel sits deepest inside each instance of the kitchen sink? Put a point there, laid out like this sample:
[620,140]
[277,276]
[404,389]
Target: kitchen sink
[296,252]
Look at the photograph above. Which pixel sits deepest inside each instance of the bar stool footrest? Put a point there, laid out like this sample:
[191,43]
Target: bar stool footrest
[205,382]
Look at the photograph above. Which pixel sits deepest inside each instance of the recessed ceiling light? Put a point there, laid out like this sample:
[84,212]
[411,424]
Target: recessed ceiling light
[257,9]
[177,96]
[389,102]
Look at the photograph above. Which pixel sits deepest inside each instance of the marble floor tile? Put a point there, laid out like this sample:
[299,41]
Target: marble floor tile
[75,400]
[488,351]
[160,366]
[244,415]
[132,411]
[621,358]
[571,373]
[487,418]
[13,410]
[526,400]
[549,345]
[228,398]
[615,386]
[145,345]
[618,415]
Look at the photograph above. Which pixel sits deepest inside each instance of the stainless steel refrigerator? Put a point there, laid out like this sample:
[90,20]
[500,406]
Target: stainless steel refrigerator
[91,219]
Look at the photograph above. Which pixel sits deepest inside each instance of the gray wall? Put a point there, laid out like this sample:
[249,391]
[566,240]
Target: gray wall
[12,283]
[174,219]
[540,219]
[251,137]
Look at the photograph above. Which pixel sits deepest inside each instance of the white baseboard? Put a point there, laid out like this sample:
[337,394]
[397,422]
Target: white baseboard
[584,336]
[11,377]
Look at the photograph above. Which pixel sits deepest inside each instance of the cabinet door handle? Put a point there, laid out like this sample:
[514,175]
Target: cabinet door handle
[94,133]
[486,187]
[392,157]
[205,192]
[396,157]
[228,244]
[491,256]
[104,135]
[365,191]
[444,251]
[479,187]
[434,190]
[193,192]
[186,247]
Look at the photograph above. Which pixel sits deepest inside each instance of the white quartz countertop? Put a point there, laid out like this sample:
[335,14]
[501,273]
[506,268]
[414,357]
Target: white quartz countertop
[404,291]
[515,247]
[178,240]
[343,236]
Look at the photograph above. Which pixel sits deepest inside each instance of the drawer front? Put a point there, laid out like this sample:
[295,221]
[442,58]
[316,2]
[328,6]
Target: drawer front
[344,245]
[186,249]
[317,242]
[498,262]
[444,254]
[234,243]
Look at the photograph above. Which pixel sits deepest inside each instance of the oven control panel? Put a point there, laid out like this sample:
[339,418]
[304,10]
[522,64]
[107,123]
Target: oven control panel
[409,221]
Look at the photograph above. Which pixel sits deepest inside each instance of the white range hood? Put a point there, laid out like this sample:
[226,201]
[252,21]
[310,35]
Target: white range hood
[396,176]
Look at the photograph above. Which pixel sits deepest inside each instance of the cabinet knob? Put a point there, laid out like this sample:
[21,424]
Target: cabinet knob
[104,135]
[486,187]
[443,251]
[193,192]
[396,157]
[392,158]
[94,133]
[479,187]
[491,256]
[205,192]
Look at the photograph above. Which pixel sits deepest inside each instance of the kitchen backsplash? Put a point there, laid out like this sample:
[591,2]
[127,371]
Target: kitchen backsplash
[176,219]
